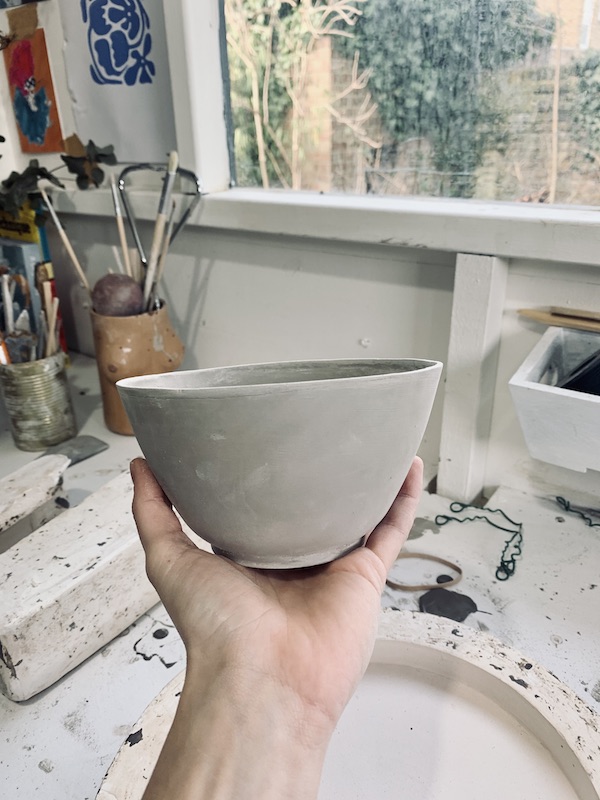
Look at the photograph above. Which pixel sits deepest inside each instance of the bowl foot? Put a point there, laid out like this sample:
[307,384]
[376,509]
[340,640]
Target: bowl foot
[289,562]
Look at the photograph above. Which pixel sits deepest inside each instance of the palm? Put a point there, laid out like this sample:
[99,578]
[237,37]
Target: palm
[311,629]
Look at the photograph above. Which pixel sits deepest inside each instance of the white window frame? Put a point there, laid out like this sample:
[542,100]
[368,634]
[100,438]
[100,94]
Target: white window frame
[507,230]
[485,236]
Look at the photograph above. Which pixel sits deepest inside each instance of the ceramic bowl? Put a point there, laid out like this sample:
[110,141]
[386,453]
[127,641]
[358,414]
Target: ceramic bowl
[287,464]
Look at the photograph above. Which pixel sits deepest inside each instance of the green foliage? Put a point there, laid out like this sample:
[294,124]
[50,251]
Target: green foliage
[433,65]
[255,30]
[585,111]
[268,44]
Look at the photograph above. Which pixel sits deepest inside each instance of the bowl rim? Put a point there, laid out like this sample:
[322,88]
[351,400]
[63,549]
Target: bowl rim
[146,383]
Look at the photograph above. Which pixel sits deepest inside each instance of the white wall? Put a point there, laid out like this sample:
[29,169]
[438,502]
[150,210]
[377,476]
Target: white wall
[243,298]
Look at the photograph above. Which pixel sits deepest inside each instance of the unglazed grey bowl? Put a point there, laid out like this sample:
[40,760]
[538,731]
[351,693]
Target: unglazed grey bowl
[287,464]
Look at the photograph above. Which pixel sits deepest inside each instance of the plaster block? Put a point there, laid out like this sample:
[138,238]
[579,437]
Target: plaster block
[68,588]
[31,496]
[560,426]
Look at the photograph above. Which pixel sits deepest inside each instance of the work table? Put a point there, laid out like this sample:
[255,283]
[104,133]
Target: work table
[59,744]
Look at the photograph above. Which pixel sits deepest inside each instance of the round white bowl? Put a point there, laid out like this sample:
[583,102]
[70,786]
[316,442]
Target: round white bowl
[287,464]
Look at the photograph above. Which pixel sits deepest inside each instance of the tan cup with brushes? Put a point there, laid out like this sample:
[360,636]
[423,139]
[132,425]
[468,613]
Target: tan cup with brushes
[143,344]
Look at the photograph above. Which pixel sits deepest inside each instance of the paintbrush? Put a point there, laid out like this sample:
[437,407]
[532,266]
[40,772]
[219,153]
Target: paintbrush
[164,206]
[65,241]
[163,254]
[120,226]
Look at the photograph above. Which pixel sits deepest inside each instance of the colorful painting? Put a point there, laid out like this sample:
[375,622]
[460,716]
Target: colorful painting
[119,41]
[32,94]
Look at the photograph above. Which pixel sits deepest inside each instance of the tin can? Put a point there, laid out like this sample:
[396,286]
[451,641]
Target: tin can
[37,398]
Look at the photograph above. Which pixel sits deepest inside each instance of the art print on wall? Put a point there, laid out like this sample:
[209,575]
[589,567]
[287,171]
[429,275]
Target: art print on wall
[32,94]
[118,75]
[119,41]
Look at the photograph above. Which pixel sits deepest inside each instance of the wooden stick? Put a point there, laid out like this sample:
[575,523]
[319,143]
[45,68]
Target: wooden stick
[165,248]
[51,345]
[120,226]
[159,226]
[48,309]
[65,241]
[560,320]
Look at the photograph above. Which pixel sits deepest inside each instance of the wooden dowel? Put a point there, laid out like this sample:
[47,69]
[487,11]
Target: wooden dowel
[65,241]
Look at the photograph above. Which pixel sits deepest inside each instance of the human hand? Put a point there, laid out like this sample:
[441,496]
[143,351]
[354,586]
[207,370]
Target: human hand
[289,646]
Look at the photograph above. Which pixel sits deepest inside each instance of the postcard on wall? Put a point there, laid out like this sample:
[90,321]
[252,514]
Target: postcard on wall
[32,94]
[118,75]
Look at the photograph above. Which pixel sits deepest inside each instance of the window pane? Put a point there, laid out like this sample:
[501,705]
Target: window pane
[492,99]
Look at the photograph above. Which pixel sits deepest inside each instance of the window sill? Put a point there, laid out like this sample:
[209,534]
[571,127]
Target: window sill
[509,230]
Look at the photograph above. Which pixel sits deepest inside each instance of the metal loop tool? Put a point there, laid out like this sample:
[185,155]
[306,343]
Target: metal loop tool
[186,177]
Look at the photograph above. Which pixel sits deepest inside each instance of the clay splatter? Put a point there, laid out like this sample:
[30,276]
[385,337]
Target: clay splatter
[444,603]
[134,738]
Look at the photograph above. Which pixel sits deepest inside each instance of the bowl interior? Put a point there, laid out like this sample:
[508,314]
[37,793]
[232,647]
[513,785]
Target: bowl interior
[276,373]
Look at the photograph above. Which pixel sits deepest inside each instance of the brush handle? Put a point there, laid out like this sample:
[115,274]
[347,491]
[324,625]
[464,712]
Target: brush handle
[159,230]
[65,240]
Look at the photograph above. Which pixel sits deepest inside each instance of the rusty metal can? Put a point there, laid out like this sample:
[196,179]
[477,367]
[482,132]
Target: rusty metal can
[37,398]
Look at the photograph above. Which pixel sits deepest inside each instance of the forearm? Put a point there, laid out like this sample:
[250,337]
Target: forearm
[235,738]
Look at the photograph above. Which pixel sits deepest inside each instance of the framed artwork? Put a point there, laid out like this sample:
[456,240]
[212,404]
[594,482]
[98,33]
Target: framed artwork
[32,94]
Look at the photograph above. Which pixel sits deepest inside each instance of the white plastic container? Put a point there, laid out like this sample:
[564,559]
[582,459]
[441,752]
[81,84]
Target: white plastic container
[560,426]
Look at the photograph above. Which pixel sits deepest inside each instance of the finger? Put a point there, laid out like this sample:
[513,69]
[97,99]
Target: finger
[154,517]
[391,533]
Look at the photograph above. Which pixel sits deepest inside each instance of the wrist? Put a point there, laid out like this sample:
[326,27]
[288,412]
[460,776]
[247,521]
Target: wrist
[237,734]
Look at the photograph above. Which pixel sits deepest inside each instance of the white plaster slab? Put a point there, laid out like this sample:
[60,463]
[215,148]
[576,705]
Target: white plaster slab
[443,712]
[28,497]
[68,588]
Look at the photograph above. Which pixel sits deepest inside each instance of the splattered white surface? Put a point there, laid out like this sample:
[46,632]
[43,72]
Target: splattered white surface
[59,744]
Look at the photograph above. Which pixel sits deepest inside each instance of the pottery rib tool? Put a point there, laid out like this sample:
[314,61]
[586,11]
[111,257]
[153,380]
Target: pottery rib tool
[572,320]
[120,226]
[65,240]
[159,226]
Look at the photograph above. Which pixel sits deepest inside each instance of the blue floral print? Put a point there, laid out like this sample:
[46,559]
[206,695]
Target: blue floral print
[119,41]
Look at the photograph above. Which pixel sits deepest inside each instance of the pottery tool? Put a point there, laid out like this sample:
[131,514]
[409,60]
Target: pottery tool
[65,240]
[77,449]
[120,225]
[163,255]
[577,319]
[184,174]
[51,343]
[159,226]
[7,303]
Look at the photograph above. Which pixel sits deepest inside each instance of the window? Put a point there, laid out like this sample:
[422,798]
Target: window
[487,99]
